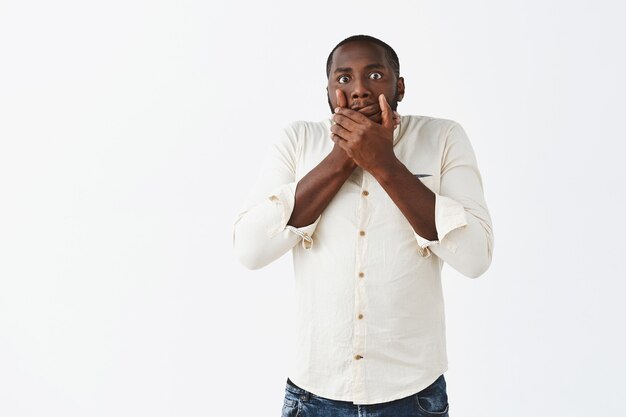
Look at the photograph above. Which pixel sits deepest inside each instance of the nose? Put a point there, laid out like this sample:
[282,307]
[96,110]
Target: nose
[360,90]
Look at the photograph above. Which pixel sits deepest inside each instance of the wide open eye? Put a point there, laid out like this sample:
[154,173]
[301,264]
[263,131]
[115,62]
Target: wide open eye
[376,76]
[343,79]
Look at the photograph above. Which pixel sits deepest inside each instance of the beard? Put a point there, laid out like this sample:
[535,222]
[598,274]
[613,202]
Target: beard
[393,103]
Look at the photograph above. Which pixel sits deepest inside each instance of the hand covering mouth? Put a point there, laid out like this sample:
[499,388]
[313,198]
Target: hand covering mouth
[359,106]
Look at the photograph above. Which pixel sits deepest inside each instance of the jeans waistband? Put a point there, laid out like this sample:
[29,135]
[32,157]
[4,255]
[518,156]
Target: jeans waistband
[294,388]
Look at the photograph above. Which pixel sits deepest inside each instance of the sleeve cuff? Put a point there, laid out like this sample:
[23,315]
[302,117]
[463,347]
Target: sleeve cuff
[449,215]
[305,233]
[284,199]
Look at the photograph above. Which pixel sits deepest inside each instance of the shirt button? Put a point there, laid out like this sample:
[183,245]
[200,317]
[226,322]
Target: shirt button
[362,232]
[365,193]
[357,357]
[360,316]
[361,274]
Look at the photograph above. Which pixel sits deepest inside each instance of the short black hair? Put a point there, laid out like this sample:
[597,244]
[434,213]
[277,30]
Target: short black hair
[392,57]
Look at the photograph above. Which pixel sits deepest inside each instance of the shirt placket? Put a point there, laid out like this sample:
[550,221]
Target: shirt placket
[360,296]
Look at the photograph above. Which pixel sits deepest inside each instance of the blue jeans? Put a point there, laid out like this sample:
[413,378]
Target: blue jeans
[432,401]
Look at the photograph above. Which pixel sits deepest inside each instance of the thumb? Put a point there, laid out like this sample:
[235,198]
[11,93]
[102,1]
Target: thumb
[342,101]
[387,113]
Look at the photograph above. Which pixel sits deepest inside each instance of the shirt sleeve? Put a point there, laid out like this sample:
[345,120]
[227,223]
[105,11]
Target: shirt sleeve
[260,232]
[464,229]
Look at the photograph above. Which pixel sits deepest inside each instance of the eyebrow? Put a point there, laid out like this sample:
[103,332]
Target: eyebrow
[367,67]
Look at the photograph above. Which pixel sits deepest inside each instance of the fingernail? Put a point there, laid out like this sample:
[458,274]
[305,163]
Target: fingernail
[337,109]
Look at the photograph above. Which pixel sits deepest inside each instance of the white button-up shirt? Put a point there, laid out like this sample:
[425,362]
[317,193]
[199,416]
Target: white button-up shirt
[370,324]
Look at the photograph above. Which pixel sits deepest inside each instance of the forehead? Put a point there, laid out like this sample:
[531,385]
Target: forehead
[358,53]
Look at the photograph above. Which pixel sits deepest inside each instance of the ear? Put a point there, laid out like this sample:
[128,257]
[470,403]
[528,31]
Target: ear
[400,86]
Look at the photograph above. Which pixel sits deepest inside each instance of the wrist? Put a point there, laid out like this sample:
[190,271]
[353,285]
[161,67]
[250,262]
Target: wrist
[341,159]
[386,171]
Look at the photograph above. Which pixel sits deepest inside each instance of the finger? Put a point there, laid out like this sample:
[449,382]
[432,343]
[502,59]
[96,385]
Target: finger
[370,110]
[339,130]
[347,123]
[396,119]
[376,118]
[343,145]
[342,101]
[386,112]
[352,115]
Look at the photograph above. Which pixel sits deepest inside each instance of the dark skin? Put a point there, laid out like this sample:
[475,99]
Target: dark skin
[363,135]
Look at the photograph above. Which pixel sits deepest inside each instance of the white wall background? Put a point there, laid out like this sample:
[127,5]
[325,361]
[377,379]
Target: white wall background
[130,132]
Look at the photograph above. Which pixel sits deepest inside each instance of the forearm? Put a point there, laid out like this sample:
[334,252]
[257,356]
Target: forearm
[410,195]
[317,188]
[468,249]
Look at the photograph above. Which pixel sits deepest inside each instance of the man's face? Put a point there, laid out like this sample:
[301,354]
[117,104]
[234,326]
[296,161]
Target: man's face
[361,71]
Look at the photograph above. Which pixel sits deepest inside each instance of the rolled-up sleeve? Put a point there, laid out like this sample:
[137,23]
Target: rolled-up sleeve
[260,232]
[464,229]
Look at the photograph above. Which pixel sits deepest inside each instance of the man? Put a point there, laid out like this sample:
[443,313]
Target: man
[371,207]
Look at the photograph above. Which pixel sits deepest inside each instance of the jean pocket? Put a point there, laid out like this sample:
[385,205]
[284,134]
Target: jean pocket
[290,405]
[432,401]
[290,408]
